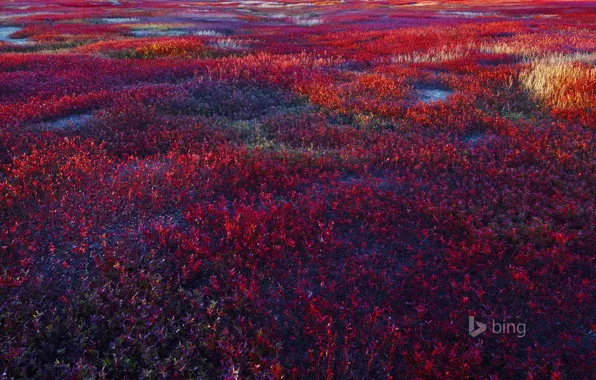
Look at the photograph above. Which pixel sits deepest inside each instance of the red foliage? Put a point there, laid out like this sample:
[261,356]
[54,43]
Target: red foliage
[275,195]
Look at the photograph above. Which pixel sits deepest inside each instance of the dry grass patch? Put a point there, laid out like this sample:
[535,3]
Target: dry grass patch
[561,82]
[444,54]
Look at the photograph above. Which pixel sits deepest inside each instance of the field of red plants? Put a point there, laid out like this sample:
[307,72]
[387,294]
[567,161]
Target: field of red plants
[300,190]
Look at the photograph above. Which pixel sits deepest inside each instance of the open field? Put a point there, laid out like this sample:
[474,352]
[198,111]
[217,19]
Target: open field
[297,189]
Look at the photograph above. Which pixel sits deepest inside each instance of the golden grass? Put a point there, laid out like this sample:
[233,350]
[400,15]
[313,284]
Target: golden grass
[514,48]
[444,54]
[562,81]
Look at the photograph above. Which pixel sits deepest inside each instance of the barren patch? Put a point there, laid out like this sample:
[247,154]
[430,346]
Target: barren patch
[72,121]
[7,31]
[433,95]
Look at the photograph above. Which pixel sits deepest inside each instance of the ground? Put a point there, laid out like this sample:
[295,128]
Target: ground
[283,189]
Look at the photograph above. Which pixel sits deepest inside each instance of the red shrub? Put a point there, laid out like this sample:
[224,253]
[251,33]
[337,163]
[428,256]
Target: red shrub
[332,197]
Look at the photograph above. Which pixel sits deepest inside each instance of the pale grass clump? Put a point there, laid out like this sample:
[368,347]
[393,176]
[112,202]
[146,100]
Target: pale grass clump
[582,57]
[229,43]
[208,32]
[445,54]
[424,4]
[307,21]
[532,51]
[514,48]
[561,82]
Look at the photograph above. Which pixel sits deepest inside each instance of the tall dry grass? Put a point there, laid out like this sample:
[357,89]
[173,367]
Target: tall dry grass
[437,55]
[563,81]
